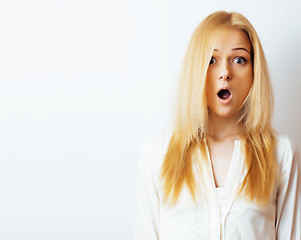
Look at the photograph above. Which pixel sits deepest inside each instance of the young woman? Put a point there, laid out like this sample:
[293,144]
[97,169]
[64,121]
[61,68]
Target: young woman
[222,172]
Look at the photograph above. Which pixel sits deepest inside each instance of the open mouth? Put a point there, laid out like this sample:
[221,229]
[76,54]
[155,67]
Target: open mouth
[224,94]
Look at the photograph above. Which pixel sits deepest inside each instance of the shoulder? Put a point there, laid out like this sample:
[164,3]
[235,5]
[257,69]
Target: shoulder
[284,142]
[285,150]
[155,147]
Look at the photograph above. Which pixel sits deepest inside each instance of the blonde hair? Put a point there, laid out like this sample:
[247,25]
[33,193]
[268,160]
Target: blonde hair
[190,124]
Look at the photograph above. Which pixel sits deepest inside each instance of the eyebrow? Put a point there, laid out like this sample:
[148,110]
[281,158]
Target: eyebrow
[234,49]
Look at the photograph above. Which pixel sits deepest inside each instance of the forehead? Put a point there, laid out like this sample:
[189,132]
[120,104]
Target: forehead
[230,37]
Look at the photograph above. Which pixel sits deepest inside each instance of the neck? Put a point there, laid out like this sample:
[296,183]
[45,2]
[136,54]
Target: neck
[221,128]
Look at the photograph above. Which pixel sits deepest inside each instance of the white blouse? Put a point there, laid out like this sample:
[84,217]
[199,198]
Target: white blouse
[220,216]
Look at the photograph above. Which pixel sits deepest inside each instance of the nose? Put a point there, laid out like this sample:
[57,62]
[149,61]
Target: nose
[224,72]
[225,76]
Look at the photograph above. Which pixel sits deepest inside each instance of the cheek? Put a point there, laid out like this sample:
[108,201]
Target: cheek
[245,78]
[209,92]
[245,87]
[210,84]
[249,80]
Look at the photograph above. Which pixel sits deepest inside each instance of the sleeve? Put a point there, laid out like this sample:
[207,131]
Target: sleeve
[288,217]
[147,204]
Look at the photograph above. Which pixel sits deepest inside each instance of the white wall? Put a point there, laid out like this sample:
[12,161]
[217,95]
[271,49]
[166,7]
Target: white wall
[82,83]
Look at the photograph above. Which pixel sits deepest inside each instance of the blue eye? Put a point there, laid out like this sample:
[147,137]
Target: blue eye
[212,60]
[240,60]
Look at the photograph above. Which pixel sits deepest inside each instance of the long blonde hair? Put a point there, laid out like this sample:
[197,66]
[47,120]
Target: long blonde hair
[191,116]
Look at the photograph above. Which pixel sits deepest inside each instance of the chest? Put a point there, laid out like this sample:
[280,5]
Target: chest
[213,221]
[220,158]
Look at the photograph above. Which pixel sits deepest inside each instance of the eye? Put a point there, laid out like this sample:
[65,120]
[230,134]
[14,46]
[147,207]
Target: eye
[212,61]
[240,60]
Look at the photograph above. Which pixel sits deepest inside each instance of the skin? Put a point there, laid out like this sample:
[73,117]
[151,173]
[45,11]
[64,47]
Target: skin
[232,69]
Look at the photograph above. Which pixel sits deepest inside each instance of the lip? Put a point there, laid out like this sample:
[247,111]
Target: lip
[224,101]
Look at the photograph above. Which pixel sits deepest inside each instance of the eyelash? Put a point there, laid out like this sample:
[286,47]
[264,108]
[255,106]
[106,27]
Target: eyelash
[234,59]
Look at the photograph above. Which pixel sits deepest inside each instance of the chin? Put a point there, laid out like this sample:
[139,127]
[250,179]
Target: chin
[224,114]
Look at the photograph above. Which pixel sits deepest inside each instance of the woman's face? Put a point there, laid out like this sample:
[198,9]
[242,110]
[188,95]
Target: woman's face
[229,75]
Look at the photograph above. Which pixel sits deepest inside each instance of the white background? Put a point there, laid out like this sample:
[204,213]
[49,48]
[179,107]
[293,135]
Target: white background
[83,83]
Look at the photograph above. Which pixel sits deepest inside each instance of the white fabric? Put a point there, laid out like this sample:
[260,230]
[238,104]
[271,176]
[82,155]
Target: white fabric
[237,219]
[222,201]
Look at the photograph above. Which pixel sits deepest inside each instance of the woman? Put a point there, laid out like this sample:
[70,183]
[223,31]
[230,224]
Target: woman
[222,172]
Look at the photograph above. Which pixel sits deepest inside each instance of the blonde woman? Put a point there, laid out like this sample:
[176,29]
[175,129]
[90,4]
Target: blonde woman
[222,172]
